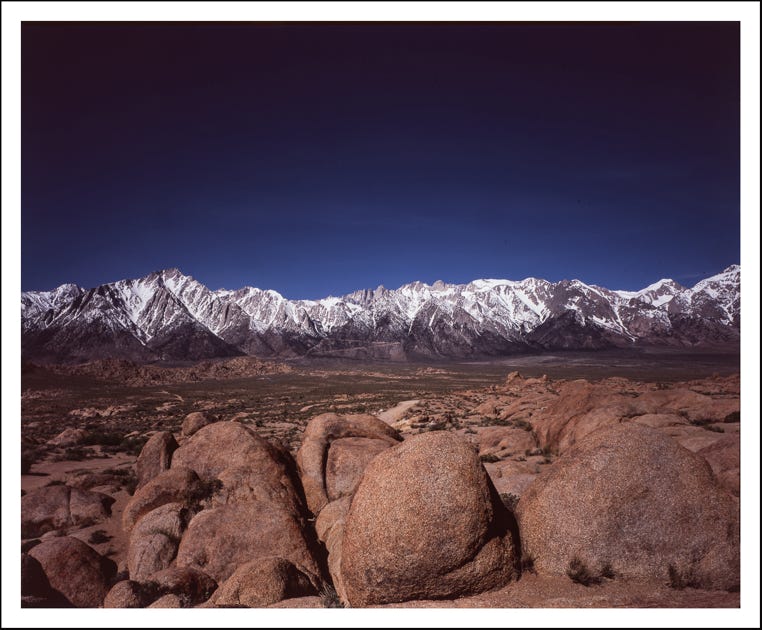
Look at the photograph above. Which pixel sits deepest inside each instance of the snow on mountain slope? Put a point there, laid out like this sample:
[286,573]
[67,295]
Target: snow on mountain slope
[168,314]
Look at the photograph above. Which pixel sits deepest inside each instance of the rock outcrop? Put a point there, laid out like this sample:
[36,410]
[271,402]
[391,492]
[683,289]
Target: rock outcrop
[69,437]
[425,523]
[154,540]
[75,570]
[155,457]
[193,422]
[321,434]
[262,582]
[58,507]
[230,498]
[178,485]
[631,500]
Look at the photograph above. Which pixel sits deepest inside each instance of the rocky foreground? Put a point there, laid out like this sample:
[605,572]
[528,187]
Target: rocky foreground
[541,493]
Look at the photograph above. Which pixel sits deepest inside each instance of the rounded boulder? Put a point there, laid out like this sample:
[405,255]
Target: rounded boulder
[155,457]
[222,445]
[313,455]
[75,570]
[631,500]
[193,422]
[262,582]
[425,523]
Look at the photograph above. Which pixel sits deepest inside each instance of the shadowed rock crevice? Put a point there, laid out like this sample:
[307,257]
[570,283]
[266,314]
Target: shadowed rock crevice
[321,432]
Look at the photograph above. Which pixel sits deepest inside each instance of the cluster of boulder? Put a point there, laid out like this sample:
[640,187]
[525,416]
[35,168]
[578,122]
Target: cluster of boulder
[224,518]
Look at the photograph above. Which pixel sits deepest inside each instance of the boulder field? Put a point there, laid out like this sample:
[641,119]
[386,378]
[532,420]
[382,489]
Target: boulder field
[359,516]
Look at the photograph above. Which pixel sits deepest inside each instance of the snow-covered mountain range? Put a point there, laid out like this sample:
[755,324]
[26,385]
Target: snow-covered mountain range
[170,316]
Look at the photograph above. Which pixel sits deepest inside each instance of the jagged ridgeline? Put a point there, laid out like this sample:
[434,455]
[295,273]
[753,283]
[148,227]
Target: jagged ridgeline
[170,316]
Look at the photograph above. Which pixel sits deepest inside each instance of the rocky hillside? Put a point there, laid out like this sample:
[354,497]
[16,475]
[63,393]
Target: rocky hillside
[500,503]
[170,316]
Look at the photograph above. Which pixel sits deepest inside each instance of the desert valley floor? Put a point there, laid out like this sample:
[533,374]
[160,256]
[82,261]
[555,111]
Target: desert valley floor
[612,480]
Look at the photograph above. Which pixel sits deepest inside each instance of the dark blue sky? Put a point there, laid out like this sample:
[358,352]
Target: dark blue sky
[319,159]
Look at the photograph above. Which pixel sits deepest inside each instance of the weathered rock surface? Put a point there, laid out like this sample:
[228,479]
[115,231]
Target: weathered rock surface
[57,507]
[155,457]
[329,526]
[193,422]
[332,514]
[346,462]
[267,480]
[425,522]
[222,445]
[512,477]
[218,540]
[178,485]
[75,570]
[154,540]
[170,600]
[724,456]
[125,594]
[579,407]
[190,584]
[631,498]
[312,457]
[262,582]
[69,437]
[505,441]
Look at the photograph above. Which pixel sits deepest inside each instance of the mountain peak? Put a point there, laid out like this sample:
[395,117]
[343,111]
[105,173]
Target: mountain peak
[172,272]
[170,315]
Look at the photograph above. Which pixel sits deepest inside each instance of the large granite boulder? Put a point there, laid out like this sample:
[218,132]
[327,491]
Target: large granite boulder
[631,501]
[75,570]
[425,523]
[155,457]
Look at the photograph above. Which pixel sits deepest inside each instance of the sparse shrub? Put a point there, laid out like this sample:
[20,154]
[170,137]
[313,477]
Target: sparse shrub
[76,454]
[682,579]
[119,472]
[99,536]
[522,424]
[733,416]
[527,563]
[104,438]
[707,423]
[28,457]
[578,572]
[489,458]
[151,591]
[119,577]
[509,500]
[329,598]
[203,490]
[607,571]
[133,445]
[130,484]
